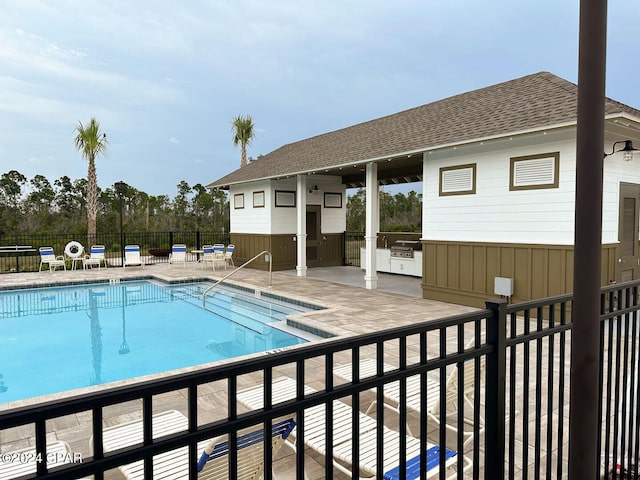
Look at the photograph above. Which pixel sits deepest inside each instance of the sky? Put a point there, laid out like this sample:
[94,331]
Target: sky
[166,78]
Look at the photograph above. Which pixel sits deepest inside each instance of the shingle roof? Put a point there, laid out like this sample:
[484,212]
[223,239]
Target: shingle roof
[532,102]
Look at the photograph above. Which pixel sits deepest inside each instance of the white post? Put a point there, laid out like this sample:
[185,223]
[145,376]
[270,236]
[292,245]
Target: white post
[424,196]
[301,234]
[372,225]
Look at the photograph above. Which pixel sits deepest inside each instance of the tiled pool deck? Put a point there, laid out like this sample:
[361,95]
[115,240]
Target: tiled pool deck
[351,310]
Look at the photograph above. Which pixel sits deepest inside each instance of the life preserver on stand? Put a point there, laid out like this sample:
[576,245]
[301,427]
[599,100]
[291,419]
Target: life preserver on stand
[74,250]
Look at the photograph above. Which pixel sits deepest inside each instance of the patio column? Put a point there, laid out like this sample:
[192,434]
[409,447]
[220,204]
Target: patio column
[424,196]
[301,234]
[372,225]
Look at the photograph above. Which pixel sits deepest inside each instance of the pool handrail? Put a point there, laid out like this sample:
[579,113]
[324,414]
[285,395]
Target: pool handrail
[269,256]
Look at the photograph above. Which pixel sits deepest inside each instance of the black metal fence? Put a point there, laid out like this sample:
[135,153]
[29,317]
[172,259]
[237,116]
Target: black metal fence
[353,242]
[485,394]
[154,246]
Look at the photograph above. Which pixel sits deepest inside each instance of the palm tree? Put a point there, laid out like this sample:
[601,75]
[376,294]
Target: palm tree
[243,133]
[91,142]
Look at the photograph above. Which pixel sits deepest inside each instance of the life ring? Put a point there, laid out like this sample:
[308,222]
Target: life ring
[74,250]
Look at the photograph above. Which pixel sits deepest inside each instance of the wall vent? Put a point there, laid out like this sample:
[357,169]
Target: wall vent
[458,180]
[535,171]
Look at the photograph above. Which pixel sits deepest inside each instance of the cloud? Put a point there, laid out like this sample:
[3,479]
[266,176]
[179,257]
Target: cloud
[174,140]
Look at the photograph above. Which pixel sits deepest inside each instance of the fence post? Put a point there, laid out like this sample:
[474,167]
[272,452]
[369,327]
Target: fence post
[344,248]
[495,392]
[198,240]
[170,239]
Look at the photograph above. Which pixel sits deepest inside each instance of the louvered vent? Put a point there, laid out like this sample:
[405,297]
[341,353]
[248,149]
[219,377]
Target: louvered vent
[536,171]
[458,180]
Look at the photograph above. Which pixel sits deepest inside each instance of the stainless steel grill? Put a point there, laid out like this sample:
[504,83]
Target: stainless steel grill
[405,248]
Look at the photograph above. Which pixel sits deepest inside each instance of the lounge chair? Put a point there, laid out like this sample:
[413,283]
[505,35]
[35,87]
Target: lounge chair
[95,257]
[392,398]
[48,256]
[178,254]
[315,437]
[132,256]
[228,254]
[213,461]
[58,453]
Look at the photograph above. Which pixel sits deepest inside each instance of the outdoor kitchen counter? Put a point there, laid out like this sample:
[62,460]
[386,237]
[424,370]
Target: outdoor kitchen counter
[388,264]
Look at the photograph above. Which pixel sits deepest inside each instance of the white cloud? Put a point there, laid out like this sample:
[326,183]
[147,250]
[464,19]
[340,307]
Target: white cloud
[174,140]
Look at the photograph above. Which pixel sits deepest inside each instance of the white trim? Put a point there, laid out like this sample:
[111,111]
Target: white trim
[301,226]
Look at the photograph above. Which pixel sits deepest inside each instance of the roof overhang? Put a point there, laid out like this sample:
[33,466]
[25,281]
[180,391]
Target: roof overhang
[401,167]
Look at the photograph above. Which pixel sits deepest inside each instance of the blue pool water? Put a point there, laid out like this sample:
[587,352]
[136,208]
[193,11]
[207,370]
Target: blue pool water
[58,339]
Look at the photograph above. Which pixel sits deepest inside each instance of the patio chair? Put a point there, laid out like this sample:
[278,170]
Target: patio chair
[214,459]
[95,257]
[58,453]
[132,256]
[48,256]
[315,438]
[228,254]
[392,398]
[178,254]
[214,255]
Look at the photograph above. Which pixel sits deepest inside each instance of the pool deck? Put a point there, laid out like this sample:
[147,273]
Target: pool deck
[350,310]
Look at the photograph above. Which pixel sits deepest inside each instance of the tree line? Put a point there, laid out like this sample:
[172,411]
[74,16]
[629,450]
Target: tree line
[398,213]
[39,206]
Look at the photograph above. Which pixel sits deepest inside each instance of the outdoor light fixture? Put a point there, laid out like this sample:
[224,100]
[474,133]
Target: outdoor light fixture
[627,150]
[313,189]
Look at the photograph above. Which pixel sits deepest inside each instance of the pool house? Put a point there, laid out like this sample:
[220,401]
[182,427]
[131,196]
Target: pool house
[497,167]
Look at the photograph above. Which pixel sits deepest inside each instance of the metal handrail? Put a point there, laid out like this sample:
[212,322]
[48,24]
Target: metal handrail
[204,294]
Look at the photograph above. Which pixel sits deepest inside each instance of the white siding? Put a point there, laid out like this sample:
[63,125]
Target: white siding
[494,213]
[250,219]
[282,220]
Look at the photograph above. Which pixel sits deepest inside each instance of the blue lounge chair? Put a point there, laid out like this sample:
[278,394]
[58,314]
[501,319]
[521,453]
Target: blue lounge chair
[178,254]
[315,438]
[214,460]
[132,256]
[48,256]
[228,254]
[95,257]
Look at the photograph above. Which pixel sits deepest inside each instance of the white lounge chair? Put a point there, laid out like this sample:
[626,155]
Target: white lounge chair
[178,254]
[48,256]
[213,461]
[58,453]
[132,256]
[315,437]
[228,254]
[392,398]
[95,257]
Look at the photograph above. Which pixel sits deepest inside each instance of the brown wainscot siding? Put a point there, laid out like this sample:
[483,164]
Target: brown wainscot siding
[283,249]
[332,250]
[464,272]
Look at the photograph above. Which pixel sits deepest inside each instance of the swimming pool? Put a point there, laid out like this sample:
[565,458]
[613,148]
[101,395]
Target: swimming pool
[59,339]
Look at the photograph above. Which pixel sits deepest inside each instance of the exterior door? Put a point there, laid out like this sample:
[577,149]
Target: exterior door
[314,235]
[628,260]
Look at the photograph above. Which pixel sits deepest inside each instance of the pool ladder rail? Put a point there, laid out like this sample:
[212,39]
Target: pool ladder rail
[268,257]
